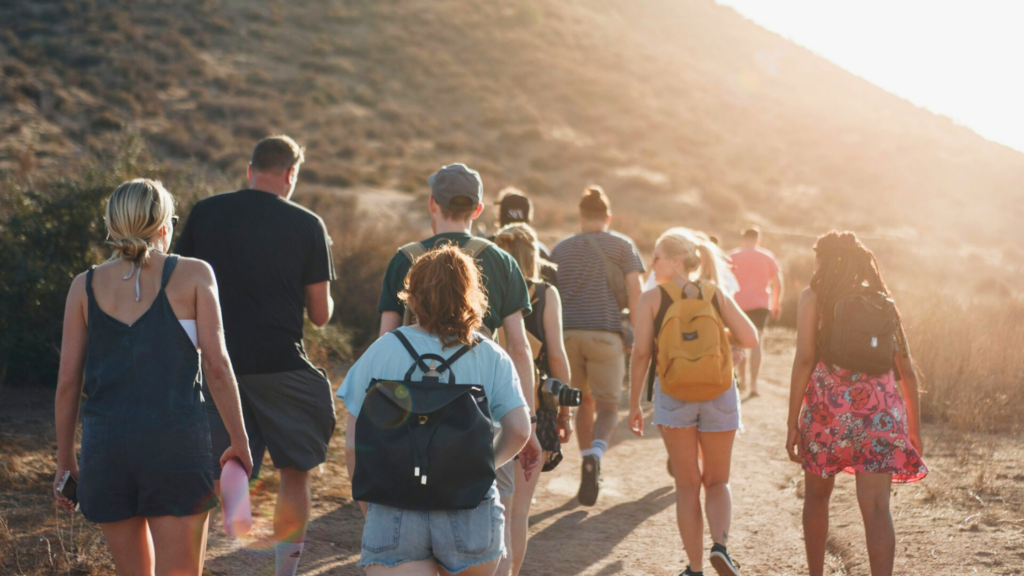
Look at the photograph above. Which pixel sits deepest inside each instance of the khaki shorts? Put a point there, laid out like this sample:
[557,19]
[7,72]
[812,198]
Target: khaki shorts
[598,363]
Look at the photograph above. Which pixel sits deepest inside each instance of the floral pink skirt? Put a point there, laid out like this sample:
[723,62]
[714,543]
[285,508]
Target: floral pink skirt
[851,422]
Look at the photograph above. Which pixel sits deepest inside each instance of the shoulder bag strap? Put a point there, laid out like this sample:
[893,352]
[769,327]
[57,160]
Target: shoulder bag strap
[592,240]
[666,303]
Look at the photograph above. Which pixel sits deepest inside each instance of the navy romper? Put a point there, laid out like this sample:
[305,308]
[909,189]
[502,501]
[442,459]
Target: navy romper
[145,439]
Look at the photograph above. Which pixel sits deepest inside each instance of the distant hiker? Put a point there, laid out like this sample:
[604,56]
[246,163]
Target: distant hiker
[687,326]
[420,519]
[544,330]
[132,327]
[598,276]
[853,400]
[273,261]
[756,269]
[514,206]
[456,199]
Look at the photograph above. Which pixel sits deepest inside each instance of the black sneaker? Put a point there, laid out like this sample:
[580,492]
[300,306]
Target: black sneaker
[689,572]
[723,563]
[590,484]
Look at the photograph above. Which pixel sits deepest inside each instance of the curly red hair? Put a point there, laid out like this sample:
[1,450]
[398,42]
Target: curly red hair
[445,293]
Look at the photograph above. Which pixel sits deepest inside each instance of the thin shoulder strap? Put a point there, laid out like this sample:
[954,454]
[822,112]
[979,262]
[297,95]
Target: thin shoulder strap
[592,240]
[461,352]
[88,283]
[169,264]
[412,351]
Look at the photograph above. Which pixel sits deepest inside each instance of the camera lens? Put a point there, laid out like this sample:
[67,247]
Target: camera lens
[570,397]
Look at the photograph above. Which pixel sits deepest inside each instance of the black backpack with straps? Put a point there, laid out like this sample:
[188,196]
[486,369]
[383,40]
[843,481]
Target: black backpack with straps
[421,444]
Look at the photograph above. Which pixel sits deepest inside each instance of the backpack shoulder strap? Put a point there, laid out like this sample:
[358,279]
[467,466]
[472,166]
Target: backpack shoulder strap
[670,293]
[709,292]
[476,245]
[413,251]
[412,351]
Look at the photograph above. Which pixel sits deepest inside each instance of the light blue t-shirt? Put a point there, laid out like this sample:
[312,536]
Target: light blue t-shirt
[486,364]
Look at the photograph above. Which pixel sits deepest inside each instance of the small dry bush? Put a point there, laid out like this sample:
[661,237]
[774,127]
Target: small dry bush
[972,357]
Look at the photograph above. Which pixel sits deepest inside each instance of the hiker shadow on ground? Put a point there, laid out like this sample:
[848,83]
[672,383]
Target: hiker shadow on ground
[580,540]
[332,547]
[568,546]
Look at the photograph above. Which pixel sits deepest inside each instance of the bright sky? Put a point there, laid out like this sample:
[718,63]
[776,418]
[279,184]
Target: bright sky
[961,59]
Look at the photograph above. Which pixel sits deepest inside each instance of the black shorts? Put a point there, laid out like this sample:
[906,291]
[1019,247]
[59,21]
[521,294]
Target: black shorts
[152,468]
[291,414]
[759,316]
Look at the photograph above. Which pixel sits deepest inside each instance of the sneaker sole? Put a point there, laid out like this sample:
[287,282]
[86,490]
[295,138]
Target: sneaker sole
[589,484]
[722,566]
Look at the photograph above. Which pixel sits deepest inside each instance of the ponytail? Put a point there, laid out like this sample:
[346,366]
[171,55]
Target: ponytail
[696,251]
[708,263]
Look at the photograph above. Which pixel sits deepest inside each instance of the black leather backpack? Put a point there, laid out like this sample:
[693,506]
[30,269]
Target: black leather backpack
[421,444]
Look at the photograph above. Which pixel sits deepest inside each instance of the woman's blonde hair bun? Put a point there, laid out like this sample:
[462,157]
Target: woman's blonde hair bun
[135,213]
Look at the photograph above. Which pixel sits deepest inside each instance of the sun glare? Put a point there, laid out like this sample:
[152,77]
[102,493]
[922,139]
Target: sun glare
[957,59]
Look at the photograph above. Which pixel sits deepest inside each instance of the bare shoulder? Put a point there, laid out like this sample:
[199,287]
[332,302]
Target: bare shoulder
[808,298]
[195,271]
[77,290]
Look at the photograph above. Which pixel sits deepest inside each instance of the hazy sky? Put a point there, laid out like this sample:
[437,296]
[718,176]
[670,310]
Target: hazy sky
[962,59]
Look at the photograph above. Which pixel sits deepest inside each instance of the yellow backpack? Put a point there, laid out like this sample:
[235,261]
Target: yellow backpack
[693,356]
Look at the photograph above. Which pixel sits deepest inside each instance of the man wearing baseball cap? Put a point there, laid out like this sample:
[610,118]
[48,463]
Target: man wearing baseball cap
[514,206]
[456,199]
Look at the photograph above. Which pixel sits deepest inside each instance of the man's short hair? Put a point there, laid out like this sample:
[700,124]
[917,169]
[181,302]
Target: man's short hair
[277,154]
[752,233]
[459,208]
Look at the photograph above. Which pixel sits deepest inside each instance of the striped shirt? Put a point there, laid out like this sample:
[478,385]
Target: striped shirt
[587,300]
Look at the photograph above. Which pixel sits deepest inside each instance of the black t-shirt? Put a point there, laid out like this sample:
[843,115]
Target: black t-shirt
[264,250]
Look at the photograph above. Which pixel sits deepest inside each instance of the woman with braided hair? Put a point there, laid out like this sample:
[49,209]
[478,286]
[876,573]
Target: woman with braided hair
[845,420]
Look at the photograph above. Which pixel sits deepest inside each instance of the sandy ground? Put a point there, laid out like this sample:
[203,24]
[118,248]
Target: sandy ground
[966,517]
[632,528]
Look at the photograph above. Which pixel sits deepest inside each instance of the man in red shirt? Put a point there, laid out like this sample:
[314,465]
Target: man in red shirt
[756,270]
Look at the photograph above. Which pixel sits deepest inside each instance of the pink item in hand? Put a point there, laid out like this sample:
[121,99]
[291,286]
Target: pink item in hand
[234,496]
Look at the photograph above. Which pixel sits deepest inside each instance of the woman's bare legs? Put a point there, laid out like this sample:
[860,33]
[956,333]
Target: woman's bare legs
[520,516]
[130,545]
[873,498]
[180,544]
[163,545]
[716,450]
[817,492]
[682,447]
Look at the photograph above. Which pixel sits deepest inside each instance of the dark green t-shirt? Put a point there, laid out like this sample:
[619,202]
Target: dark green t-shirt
[502,279]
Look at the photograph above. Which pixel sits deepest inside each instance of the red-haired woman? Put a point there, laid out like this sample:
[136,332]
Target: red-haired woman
[845,420]
[443,290]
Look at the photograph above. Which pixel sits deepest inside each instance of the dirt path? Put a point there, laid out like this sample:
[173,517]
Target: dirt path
[632,528]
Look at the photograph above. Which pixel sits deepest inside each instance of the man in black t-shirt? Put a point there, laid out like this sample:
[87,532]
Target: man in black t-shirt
[272,259]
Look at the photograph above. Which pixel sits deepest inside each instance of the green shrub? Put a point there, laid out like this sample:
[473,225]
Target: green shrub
[50,231]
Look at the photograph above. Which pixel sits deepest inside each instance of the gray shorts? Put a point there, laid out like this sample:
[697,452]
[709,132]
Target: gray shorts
[506,479]
[291,414]
[720,414]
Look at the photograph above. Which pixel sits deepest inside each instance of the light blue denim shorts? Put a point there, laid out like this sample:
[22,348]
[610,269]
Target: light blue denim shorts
[455,539]
[720,414]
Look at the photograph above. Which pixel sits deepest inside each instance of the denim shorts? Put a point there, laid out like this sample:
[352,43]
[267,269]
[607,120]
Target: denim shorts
[455,539]
[720,414]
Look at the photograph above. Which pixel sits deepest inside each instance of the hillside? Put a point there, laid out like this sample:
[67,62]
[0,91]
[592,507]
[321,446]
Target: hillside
[683,107]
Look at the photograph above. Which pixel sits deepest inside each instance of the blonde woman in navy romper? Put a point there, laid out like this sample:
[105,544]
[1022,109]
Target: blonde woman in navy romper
[132,327]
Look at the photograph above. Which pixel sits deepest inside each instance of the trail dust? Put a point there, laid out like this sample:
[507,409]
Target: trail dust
[632,528]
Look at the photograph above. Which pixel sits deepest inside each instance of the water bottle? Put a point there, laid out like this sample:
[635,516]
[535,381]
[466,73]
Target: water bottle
[234,497]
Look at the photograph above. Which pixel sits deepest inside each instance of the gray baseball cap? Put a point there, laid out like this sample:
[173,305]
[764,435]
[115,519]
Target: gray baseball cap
[456,180]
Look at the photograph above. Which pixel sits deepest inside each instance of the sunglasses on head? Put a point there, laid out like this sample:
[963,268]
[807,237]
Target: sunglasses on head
[174,220]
